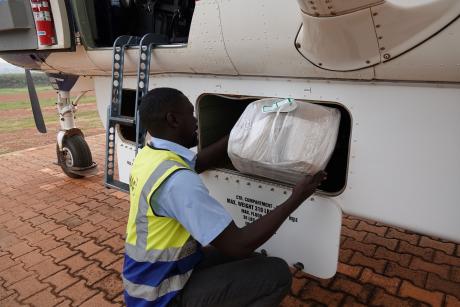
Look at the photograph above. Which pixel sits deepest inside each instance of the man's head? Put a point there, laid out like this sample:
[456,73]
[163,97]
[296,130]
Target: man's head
[168,114]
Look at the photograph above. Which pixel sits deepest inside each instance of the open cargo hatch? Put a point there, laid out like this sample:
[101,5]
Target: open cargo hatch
[217,114]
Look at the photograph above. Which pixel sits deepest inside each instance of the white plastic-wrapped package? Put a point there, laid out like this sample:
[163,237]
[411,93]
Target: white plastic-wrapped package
[282,139]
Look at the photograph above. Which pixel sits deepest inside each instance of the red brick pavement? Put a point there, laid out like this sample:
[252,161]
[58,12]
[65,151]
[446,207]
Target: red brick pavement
[61,244]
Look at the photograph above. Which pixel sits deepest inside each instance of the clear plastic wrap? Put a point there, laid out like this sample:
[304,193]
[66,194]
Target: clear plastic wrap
[282,139]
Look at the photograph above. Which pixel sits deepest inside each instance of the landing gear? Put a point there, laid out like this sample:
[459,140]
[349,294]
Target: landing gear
[73,153]
[75,157]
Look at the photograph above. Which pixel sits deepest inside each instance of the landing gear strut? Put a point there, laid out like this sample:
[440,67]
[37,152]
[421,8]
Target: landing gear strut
[73,153]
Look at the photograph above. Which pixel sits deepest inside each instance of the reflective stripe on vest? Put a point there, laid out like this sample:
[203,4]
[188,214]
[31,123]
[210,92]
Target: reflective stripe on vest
[159,253]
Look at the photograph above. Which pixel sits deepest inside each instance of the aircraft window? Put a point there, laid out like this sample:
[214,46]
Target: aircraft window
[217,115]
[102,21]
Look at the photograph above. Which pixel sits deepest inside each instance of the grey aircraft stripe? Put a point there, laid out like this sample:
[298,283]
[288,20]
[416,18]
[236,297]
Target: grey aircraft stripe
[169,254]
[149,293]
[141,218]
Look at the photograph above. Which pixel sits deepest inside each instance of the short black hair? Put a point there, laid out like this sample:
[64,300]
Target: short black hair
[156,103]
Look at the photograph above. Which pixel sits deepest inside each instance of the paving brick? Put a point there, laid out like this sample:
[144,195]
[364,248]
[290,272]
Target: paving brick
[117,265]
[367,249]
[389,284]
[28,287]
[297,285]
[101,235]
[44,298]
[49,226]
[61,253]
[448,248]
[366,226]
[381,298]
[46,268]
[455,274]
[401,259]
[442,258]
[434,282]
[86,228]
[351,302]
[115,243]
[83,212]
[452,301]
[323,296]
[381,241]
[61,232]
[20,249]
[377,265]
[32,258]
[416,277]
[75,239]
[48,244]
[425,253]
[61,280]
[78,293]
[92,273]
[96,218]
[409,290]
[14,274]
[71,207]
[345,255]
[73,222]
[24,230]
[349,222]
[290,301]
[38,220]
[111,285]
[50,211]
[357,235]
[11,301]
[89,248]
[76,263]
[98,300]
[411,238]
[4,293]
[359,291]
[422,265]
[105,257]
[348,270]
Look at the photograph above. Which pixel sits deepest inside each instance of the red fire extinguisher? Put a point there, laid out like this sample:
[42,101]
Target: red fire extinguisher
[44,22]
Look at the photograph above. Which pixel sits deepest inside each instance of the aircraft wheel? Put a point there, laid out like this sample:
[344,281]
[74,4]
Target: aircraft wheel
[75,153]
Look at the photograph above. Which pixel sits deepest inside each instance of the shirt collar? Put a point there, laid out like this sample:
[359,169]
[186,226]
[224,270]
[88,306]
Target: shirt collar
[187,154]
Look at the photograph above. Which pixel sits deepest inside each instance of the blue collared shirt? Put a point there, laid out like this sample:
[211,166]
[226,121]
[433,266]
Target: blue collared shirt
[185,198]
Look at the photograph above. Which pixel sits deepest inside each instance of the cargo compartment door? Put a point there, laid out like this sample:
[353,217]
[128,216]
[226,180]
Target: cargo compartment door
[34,25]
[311,235]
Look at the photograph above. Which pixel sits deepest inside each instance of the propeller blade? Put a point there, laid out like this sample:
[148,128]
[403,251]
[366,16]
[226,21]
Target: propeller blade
[36,110]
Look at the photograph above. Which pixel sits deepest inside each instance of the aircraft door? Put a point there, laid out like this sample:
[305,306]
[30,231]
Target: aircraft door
[34,25]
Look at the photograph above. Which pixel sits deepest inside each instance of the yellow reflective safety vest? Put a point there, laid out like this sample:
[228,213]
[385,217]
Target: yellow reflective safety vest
[160,254]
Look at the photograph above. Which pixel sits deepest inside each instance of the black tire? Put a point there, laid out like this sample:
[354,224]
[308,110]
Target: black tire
[75,153]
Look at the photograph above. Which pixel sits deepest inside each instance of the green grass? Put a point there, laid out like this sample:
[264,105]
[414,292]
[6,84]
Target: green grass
[85,120]
[12,90]
[25,104]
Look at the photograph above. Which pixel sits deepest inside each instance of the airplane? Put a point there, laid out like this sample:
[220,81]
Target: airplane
[390,67]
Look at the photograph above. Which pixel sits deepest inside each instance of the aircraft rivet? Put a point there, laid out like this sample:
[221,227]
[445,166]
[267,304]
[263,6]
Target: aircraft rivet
[226,178]
[284,192]
[320,64]
[368,62]
[272,189]
[377,26]
[312,199]
[297,45]
[260,187]
[248,183]
[217,176]
[375,14]
[386,56]
[237,181]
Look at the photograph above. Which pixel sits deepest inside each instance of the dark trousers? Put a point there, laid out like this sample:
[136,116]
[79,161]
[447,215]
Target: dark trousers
[221,281]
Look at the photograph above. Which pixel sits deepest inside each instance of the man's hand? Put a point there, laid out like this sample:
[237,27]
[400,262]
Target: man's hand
[307,185]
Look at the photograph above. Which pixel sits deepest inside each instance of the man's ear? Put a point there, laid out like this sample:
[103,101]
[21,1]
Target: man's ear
[172,119]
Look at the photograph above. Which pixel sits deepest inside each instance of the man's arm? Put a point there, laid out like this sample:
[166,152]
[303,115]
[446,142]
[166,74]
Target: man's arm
[212,155]
[240,242]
